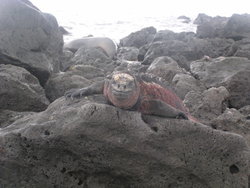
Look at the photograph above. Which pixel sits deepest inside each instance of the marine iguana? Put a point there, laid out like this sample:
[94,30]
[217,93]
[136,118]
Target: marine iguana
[134,92]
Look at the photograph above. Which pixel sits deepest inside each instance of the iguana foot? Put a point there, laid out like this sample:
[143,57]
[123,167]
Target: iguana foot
[181,115]
[75,93]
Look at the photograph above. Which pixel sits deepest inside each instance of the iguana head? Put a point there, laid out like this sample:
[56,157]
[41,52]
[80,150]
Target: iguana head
[123,90]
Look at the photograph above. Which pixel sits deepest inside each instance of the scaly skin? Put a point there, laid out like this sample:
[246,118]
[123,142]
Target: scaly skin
[126,91]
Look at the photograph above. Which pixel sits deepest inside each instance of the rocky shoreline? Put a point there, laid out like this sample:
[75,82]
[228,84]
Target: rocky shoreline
[48,141]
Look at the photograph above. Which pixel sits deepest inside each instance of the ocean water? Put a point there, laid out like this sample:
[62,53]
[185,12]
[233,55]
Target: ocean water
[117,28]
[111,18]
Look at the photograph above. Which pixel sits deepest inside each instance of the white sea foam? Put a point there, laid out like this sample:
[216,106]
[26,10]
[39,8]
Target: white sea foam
[117,28]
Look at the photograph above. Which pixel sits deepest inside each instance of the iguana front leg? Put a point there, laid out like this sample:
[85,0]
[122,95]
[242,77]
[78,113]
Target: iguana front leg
[160,108]
[96,88]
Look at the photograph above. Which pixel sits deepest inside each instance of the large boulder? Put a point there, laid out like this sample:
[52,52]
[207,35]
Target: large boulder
[168,35]
[241,48]
[237,27]
[211,28]
[202,18]
[65,60]
[29,39]
[75,144]
[139,38]
[216,72]
[239,87]
[92,56]
[184,48]
[175,49]
[207,105]
[233,121]
[78,76]
[20,90]
[59,83]
[128,53]
[184,83]
[165,67]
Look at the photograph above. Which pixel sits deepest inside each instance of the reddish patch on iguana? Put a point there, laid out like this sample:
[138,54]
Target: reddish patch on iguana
[149,91]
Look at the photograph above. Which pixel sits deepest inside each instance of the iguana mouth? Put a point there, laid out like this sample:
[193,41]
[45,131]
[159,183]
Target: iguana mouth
[121,94]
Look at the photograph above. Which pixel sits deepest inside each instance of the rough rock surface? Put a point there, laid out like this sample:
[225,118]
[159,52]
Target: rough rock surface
[238,27]
[241,48]
[29,39]
[239,88]
[139,38]
[202,18]
[65,60]
[165,67]
[7,117]
[216,72]
[128,53]
[174,49]
[79,144]
[186,48]
[212,28]
[59,83]
[167,35]
[20,90]
[233,121]
[245,111]
[183,83]
[207,105]
[92,56]
[87,71]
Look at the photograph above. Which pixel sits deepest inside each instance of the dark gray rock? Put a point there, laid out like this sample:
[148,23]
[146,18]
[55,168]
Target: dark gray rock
[202,18]
[238,27]
[235,27]
[20,90]
[245,111]
[128,53]
[207,105]
[142,52]
[239,87]
[212,28]
[187,48]
[167,35]
[183,83]
[59,83]
[29,39]
[216,72]
[139,38]
[65,60]
[165,67]
[184,19]
[174,49]
[85,144]
[87,71]
[63,31]
[241,48]
[7,117]
[94,57]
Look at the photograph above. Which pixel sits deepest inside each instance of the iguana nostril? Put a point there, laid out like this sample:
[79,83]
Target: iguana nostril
[124,87]
[118,86]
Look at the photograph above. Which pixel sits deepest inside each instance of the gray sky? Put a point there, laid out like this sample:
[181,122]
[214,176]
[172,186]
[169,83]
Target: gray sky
[130,8]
